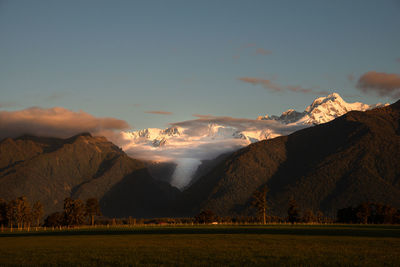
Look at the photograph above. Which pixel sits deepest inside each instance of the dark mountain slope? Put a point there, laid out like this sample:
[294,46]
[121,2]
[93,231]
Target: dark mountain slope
[50,169]
[352,159]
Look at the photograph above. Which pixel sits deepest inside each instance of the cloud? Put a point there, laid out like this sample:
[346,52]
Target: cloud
[201,126]
[203,116]
[262,51]
[204,138]
[381,83]
[159,112]
[187,155]
[269,85]
[56,122]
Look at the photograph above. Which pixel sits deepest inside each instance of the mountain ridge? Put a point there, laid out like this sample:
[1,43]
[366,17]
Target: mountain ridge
[349,160]
[322,110]
[82,166]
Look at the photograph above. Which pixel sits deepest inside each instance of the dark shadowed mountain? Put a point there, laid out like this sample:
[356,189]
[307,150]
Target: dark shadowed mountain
[162,171]
[353,159]
[83,166]
[206,166]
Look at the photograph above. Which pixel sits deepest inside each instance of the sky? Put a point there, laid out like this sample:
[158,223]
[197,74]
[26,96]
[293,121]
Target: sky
[152,63]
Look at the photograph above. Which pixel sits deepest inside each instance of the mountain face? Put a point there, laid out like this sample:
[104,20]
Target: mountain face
[83,166]
[350,160]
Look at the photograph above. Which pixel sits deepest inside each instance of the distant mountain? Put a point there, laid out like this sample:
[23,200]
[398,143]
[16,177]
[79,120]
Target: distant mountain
[83,166]
[322,110]
[189,143]
[350,160]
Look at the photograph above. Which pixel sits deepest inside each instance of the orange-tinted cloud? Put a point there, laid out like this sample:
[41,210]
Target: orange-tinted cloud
[159,112]
[381,83]
[56,122]
[269,85]
[262,51]
[201,116]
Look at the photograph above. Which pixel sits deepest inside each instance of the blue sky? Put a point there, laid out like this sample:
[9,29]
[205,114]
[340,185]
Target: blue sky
[122,59]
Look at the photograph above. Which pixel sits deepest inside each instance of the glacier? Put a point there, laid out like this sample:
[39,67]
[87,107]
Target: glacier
[187,143]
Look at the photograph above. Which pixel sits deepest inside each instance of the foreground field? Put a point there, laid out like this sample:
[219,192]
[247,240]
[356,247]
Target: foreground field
[206,245]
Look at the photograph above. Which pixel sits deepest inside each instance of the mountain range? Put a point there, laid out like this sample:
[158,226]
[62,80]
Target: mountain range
[348,160]
[322,110]
[190,143]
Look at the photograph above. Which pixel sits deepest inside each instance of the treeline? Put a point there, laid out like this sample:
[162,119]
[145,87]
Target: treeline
[371,213]
[20,213]
[75,213]
[294,214]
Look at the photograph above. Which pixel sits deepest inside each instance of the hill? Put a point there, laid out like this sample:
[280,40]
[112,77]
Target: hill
[83,166]
[352,159]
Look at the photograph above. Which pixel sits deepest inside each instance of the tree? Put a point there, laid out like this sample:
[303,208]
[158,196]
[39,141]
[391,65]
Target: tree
[293,212]
[19,212]
[3,212]
[260,202]
[92,209]
[308,216]
[319,217]
[363,213]
[24,217]
[74,211]
[206,216]
[37,212]
[54,220]
[12,212]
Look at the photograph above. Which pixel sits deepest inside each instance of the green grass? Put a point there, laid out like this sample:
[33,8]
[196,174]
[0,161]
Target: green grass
[331,245]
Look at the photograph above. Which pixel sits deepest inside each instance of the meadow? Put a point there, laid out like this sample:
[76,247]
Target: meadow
[235,245]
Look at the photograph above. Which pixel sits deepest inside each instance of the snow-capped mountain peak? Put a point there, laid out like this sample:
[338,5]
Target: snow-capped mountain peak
[331,99]
[322,110]
[188,142]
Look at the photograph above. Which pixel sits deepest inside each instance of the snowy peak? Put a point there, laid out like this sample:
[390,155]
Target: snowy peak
[332,99]
[322,110]
[172,131]
[325,109]
[219,133]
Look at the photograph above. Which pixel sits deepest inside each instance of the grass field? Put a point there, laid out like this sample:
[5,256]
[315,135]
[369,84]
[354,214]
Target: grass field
[330,245]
